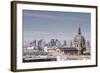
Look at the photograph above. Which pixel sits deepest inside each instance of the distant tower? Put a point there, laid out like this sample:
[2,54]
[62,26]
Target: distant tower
[64,43]
[35,44]
[88,47]
[79,41]
[71,44]
[41,44]
[88,44]
[58,44]
[52,42]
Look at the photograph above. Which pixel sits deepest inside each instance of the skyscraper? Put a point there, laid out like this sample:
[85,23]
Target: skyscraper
[41,44]
[64,43]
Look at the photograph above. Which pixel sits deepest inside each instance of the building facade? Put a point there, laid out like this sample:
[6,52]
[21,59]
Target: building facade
[79,42]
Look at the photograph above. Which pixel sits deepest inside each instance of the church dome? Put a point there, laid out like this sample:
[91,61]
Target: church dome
[79,38]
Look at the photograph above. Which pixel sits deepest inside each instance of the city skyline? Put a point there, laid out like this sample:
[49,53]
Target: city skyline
[54,25]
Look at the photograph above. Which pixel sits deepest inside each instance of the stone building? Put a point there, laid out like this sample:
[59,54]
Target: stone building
[79,42]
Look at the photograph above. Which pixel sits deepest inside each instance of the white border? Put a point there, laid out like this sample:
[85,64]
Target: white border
[21,65]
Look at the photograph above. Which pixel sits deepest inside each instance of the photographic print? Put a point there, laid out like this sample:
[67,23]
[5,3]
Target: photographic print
[56,36]
[53,36]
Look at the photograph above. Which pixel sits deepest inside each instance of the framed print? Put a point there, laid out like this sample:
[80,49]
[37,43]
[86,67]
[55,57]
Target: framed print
[47,36]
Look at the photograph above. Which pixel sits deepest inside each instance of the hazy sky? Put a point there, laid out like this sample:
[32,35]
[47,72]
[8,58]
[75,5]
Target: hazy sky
[53,24]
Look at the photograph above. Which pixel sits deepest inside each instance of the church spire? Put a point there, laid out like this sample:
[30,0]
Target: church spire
[79,30]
